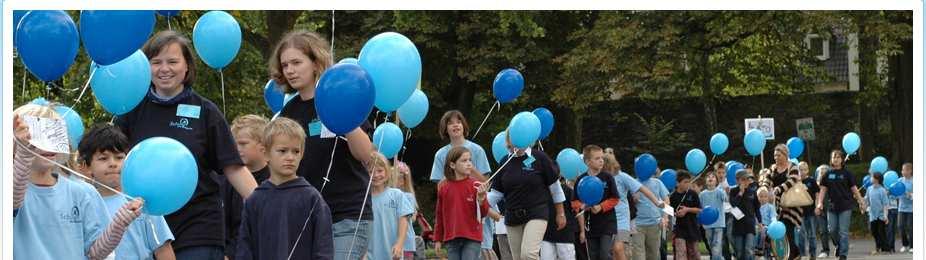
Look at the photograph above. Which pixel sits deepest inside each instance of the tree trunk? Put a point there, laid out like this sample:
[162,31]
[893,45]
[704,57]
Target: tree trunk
[708,95]
[868,80]
[901,71]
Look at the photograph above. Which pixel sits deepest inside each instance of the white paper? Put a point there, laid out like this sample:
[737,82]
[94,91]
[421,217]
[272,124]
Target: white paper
[327,133]
[48,134]
[737,213]
[727,207]
[669,210]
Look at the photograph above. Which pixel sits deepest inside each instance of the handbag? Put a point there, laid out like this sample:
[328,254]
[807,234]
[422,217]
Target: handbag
[796,196]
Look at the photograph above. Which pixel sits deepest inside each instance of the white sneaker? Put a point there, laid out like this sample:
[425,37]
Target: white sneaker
[903,249]
[823,255]
[911,250]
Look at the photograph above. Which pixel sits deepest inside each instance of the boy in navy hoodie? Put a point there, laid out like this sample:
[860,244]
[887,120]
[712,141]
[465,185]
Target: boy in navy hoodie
[285,217]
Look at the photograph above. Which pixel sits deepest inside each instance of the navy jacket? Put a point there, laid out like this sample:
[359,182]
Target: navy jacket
[273,217]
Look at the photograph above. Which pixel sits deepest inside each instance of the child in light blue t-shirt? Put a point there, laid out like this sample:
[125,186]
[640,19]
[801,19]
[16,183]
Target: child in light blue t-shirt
[768,216]
[53,216]
[714,196]
[877,200]
[102,152]
[391,212]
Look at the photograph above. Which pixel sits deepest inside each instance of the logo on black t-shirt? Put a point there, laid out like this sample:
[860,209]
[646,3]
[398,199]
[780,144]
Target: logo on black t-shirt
[182,124]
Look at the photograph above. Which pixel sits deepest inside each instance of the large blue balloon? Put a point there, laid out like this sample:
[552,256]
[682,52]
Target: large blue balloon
[898,189]
[524,129]
[167,183]
[890,178]
[866,181]
[878,164]
[415,109]
[395,65]
[17,16]
[644,166]
[508,85]
[776,230]
[388,138]
[850,142]
[754,142]
[273,96]
[499,147]
[590,190]
[344,97]
[546,121]
[120,87]
[708,215]
[795,147]
[47,42]
[569,160]
[732,168]
[217,38]
[719,143]
[112,35]
[695,161]
[668,179]
[168,13]
[73,123]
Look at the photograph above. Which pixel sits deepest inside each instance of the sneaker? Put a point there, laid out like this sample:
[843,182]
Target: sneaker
[823,255]
[910,250]
[903,249]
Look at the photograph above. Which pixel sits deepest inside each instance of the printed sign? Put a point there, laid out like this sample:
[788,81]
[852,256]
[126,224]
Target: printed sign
[766,125]
[48,134]
[805,129]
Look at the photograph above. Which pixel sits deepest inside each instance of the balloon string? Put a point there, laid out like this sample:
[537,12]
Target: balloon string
[332,34]
[408,135]
[24,86]
[486,118]
[540,144]
[79,97]
[304,225]
[510,156]
[168,24]
[71,171]
[330,163]
[365,196]
[222,79]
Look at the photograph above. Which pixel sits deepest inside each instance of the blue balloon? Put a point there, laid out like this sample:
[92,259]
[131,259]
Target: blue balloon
[112,35]
[74,124]
[668,179]
[499,149]
[569,160]
[273,96]
[754,142]
[167,183]
[168,13]
[644,166]
[217,38]
[776,230]
[415,109]
[795,147]
[388,138]
[582,166]
[898,189]
[395,65]
[349,60]
[121,86]
[878,164]
[508,85]
[524,129]
[890,178]
[590,190]
[47,42]
[708,215]
[39,101]
[719,143]
[546,121]
[850,142]
[866,181]
[732,168]
[695,161]
[344,97]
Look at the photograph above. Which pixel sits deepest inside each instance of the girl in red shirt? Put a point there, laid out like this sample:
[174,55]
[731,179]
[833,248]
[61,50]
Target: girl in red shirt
[456,221]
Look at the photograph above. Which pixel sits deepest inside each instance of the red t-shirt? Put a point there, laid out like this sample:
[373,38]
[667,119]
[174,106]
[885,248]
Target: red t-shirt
[455,215]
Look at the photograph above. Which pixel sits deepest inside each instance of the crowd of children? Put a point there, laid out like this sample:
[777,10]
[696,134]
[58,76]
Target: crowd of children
[262,194]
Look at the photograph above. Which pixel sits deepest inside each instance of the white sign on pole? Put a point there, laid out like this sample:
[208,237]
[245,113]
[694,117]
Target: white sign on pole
[766,125]
[805,129]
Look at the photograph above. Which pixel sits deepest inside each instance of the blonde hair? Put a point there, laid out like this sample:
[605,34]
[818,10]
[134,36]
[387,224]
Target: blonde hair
[311,45]
[611,165]
[282,126]
[380,161]
[249,126]
[401,167]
